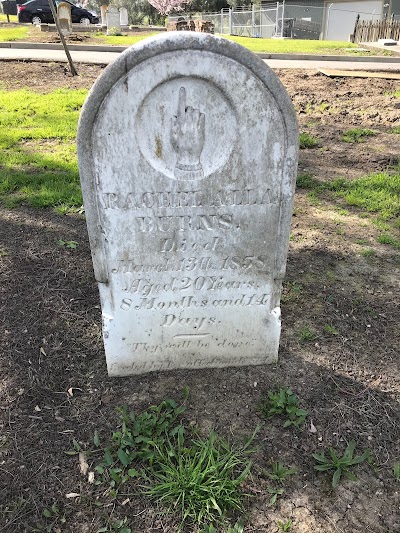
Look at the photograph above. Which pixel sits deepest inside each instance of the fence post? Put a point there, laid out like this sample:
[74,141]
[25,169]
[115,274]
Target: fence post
[283,17]
[230,21]
[277,18]
[355,28]
[253,19]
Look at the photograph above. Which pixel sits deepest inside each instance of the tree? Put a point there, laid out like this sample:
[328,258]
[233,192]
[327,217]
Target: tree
[166,6]
[195,6]
[139,11]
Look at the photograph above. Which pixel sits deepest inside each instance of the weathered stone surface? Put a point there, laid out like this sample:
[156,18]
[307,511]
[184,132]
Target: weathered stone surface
[64,17]
[187,150]
[113,18]
[123,16]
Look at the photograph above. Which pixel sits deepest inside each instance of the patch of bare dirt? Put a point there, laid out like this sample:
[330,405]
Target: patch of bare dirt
[328,107]
[348,379]
[46,77]
[53,37]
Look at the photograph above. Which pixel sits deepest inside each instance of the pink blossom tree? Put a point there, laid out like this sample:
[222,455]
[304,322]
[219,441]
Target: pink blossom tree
[166,6]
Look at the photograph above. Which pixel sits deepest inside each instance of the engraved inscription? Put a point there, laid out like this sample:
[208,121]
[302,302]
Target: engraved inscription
[171,245]
[187,139]
[193,199]
[186,223]
[189,302]
[145,287]
[257,263]
[194,322]
[151,365]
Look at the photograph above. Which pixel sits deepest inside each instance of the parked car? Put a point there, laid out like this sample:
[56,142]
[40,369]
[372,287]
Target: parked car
[38,11]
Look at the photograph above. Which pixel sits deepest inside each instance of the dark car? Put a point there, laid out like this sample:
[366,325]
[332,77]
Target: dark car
[38,11]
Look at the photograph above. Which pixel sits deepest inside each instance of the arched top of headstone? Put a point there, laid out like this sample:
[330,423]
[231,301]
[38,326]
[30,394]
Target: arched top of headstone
[152,47]
[64,9]
[112,9]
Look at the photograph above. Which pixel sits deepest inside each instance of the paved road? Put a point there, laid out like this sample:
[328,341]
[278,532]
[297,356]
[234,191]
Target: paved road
[109,57]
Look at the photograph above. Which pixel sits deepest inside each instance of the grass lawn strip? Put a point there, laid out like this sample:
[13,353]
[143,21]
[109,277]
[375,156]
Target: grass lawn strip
[3,18]
[378,194]
[38,164]
[14,34]
[271,46]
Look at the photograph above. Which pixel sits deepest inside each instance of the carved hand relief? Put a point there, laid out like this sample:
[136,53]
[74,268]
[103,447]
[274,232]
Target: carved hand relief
[187,139]
[186,129]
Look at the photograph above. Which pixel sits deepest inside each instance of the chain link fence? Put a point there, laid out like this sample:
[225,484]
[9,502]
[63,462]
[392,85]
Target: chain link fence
[289,20]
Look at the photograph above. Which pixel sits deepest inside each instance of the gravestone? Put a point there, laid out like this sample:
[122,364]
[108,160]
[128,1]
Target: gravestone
[123,16]
[64,17]
[113,19]
[103,13]
[187,149]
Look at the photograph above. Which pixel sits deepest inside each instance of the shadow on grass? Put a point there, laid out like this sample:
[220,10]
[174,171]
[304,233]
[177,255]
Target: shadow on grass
[38,163]
[39,180]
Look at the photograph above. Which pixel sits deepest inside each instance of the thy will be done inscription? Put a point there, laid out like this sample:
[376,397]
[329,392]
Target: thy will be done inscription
[187,149]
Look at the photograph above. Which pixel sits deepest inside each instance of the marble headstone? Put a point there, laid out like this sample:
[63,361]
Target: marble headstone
[64,17]
[123,16]
[187,150]
[113,21]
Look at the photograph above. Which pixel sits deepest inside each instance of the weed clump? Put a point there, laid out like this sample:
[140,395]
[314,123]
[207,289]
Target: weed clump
[285,404]
[357,135]
[340,465]
[307,141]
[198,477]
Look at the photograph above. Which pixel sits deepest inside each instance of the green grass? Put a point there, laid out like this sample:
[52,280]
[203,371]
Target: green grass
[307,140]
[340,465]
[13,34]
[3,18]
[200,479]
[386,238]
[306,334]
[357,135]
[306,181]
[38,164]
[292,46]
[197,479]
[378,193]
[123,39]
[368,252]
[295,46]
[282,402]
